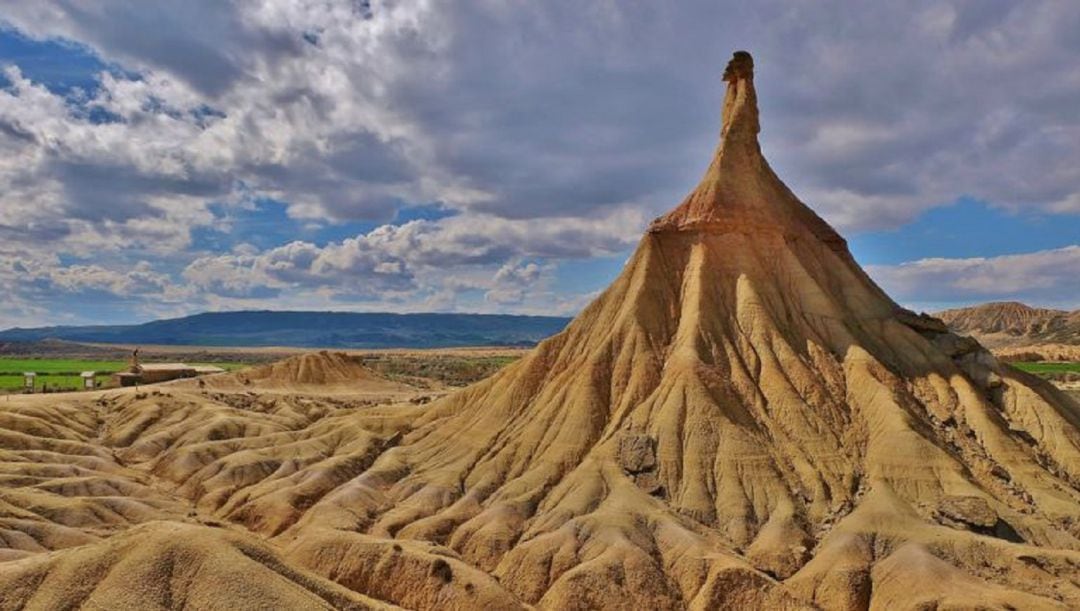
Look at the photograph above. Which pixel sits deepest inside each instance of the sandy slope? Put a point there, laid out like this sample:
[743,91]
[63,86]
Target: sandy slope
[1040,352]
[322,372]
[742,420]
[169,565]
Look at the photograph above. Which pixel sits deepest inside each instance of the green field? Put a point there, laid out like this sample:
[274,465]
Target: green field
[1048,367]
[61,374]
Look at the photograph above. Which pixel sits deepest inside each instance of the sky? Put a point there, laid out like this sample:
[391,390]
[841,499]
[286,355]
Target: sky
[165,158]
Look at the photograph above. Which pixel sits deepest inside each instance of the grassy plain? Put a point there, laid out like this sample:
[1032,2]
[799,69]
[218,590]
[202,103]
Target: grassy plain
[64,373]
[453,367]
[1046,367]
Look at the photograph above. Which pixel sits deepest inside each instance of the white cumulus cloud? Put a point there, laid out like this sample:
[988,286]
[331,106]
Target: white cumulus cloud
[1048,276]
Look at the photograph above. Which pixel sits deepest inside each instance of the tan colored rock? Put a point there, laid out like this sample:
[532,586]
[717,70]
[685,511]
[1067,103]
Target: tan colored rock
[636,453]
[1011,325]
[167,565]
[971,510]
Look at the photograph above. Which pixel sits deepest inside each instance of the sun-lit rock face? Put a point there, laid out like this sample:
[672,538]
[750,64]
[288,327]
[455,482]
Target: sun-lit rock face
[741,416]
[741,420]
[739,192]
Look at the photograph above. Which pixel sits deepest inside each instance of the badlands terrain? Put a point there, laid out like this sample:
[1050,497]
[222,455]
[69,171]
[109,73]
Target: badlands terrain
[1039,340]
[742,420]
[1015,325]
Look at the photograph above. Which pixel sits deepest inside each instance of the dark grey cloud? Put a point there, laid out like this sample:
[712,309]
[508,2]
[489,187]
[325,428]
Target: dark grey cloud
[196,39]
[116,192]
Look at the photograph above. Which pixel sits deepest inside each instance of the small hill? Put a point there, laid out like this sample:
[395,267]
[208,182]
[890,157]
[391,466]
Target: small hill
[313,330]
[170,565]
[325,370]
[1011,324]
[169,499]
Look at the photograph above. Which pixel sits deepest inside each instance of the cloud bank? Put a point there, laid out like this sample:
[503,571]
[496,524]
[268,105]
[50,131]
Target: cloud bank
[1051,276]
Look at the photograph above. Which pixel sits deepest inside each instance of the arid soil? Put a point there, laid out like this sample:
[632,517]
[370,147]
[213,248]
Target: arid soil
[1013,326]
[1061,353]
[742,420]
[1017,332]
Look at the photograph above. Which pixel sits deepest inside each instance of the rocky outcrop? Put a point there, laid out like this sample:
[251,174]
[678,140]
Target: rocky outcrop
[1014,325]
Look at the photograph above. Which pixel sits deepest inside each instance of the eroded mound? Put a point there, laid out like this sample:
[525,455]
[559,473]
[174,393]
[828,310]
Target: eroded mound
[313,368]
[168,565]
[321,370]
[1014,325]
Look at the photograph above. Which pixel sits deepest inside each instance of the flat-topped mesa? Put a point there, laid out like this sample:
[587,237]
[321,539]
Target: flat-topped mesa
[740,192]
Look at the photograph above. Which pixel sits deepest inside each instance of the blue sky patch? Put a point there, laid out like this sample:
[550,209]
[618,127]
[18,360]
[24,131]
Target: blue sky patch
[967,228]
[61,66]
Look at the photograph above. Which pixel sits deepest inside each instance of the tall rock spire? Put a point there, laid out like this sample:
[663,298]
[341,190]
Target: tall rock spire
[739,191]
[740,115]
[742,419]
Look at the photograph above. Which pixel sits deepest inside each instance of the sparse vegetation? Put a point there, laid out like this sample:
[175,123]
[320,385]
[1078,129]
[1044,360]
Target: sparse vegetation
[452,370]
[1047,368]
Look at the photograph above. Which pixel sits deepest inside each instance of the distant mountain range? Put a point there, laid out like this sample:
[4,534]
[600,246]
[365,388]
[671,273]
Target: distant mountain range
[313,329]
[1010,324]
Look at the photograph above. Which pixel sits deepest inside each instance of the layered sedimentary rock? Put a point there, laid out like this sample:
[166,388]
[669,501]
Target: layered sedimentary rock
[1012,325]
[742,417]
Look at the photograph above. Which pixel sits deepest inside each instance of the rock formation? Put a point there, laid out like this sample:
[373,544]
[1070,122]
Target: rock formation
[742,417]
[322,371]
[1015,325]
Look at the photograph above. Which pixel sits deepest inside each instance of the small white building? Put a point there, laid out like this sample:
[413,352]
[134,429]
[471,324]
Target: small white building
[89,380]
[29,378]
